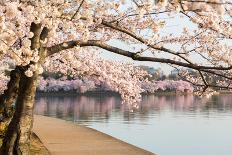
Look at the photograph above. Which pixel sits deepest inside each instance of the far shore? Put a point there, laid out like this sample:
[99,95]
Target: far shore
[112,93]
[75,93]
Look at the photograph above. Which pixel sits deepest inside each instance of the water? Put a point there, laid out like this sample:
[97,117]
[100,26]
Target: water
[165,125]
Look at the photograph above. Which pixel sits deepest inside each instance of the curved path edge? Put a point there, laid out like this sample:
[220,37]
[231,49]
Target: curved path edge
[66,138]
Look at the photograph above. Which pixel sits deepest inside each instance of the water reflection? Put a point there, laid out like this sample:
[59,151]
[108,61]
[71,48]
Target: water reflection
[76,108]
[166,125]
[86,108]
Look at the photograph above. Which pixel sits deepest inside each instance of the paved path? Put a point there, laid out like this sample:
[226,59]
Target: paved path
[65,138]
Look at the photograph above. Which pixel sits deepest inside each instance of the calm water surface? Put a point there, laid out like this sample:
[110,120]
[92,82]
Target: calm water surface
[165,125]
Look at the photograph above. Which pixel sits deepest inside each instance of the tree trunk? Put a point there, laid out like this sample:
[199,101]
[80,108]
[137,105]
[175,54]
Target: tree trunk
[17,138]
[9,95]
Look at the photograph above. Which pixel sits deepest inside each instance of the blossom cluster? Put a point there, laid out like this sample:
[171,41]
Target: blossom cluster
[82,86]
[61,85]
[144,26]
[121,77]
[67,21]
[4,65]
[168,85]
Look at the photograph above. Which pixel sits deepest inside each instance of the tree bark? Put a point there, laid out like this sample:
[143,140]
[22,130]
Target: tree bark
[9,96]
[17,138]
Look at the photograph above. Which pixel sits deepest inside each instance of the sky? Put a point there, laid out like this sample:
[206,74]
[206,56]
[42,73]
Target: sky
[174,25]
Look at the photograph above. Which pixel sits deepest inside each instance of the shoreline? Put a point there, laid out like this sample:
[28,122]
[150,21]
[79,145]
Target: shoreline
[74,93]
[112,93]
[105,93]
[63,137]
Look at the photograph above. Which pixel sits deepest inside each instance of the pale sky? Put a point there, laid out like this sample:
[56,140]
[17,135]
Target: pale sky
[173,25]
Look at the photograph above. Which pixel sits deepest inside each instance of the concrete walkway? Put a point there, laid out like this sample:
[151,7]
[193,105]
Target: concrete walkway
[66,138]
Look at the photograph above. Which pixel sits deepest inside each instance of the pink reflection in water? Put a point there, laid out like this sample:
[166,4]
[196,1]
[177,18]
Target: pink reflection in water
[98,107]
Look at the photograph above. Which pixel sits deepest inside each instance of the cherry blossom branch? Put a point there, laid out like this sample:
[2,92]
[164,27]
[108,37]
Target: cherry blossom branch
[204,81]
[12,50]
[200,26]
[136,14]
[134,56]
[140,39]
[35,40]
[218,74]
[136,3]
[78,9]
[208,2]
[205,85]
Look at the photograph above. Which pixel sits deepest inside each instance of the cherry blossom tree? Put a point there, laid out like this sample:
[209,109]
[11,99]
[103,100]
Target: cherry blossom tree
[43,33]
[88,85]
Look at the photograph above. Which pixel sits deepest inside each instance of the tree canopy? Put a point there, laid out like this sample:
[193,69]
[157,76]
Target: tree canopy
[60,35]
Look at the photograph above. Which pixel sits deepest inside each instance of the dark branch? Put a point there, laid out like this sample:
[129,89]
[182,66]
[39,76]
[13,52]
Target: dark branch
[134,56]
[78,9]
[208,2]
[44,33]
[36,29]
